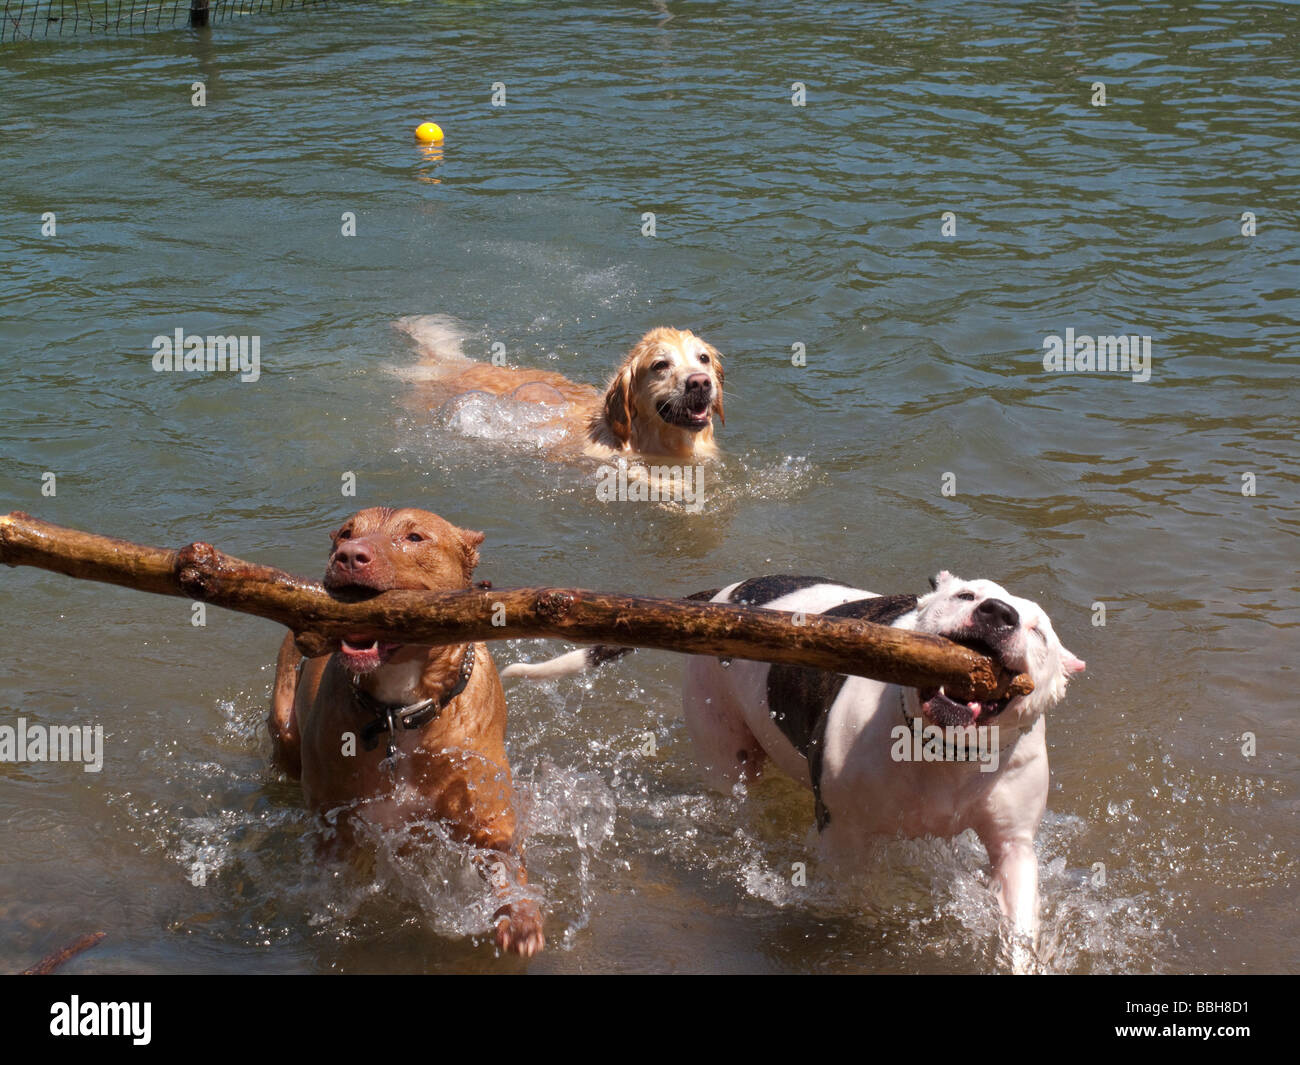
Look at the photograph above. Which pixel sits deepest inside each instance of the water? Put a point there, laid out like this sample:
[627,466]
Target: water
[776,226]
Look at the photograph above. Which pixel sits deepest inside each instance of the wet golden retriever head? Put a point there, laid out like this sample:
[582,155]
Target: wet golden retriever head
[663,398]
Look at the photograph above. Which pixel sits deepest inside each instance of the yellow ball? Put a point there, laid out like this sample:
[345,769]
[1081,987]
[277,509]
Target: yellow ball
[429,132]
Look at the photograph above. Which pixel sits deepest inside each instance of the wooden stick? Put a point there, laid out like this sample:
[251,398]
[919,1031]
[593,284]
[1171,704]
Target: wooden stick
[318,619]
[51,962]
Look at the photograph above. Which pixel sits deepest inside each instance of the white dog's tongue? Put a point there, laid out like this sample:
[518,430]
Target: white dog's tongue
[943,710]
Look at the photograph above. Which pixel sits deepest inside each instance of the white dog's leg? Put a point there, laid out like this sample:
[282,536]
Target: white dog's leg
[1015,868]
[716,722]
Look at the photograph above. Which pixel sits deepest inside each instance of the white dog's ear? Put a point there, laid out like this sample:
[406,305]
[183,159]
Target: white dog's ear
[1070,664]
[940,578]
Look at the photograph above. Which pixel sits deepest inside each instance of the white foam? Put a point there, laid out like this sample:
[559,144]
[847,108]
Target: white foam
[487,417]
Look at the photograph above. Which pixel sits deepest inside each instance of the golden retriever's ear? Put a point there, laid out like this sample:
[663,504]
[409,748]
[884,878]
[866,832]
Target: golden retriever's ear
[716,356]
[619,404]
[469,541]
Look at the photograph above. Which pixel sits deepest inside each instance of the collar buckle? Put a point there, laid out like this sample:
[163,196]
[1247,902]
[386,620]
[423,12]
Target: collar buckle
[387,718]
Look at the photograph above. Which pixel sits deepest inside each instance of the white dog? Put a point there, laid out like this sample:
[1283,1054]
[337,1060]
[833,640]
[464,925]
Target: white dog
[885,761]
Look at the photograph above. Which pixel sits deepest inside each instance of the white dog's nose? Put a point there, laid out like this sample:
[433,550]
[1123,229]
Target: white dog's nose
[998,614]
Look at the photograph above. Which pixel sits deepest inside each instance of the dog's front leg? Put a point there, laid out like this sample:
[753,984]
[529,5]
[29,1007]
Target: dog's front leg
[482,802]
[472,794]
[286,745]
[1015,871]
[519,919]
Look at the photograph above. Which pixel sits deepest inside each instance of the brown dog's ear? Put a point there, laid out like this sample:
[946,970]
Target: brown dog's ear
[716,356]
[469,541]
[618,405]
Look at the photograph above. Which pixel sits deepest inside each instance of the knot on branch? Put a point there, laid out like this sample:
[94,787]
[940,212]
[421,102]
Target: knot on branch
[197,569]
[988,683]
[553,605]
[313,644]
[983,678]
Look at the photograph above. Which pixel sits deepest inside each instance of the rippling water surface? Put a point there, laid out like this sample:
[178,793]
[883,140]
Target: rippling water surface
[776,226]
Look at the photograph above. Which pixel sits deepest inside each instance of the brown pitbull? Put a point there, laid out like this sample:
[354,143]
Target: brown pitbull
[398,733]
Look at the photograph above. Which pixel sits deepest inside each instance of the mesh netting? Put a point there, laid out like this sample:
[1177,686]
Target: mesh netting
[22,20]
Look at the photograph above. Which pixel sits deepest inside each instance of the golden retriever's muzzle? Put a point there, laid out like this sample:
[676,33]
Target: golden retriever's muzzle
[692,407]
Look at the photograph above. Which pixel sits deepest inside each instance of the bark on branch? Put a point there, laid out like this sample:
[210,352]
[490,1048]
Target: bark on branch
[199,571]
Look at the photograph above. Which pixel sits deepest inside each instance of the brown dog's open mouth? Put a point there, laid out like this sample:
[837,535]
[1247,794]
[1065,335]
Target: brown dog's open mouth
[364,655]
[350,591]
[692,411]
[952,712]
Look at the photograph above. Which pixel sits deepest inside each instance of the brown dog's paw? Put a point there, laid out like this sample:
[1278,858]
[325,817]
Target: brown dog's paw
[519,929]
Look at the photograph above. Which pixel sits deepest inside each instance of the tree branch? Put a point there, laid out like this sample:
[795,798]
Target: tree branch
[318,619]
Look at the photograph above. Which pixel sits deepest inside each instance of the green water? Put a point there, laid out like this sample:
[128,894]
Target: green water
[776,225]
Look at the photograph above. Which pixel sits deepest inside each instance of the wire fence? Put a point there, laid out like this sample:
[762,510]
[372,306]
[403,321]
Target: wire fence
[25,20]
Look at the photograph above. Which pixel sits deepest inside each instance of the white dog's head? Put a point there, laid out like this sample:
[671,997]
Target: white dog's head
[1015,632]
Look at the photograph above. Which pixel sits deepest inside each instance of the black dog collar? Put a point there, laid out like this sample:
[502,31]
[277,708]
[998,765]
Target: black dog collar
[388,718]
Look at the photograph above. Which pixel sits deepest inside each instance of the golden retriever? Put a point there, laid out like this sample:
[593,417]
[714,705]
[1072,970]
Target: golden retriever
[659,404]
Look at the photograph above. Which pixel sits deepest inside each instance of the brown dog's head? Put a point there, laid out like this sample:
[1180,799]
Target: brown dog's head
[663,398]
[382,548]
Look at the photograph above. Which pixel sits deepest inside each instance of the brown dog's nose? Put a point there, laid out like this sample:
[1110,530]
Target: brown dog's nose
[701,381]
[353,554]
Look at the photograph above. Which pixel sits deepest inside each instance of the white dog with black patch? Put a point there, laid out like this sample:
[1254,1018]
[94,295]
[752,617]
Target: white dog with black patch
[882,760]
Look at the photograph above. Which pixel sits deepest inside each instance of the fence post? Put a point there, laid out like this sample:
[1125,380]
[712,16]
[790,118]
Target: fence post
[198,12]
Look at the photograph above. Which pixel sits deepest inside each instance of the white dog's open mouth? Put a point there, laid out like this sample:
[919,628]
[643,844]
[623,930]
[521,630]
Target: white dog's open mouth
[363,655]
[949,712]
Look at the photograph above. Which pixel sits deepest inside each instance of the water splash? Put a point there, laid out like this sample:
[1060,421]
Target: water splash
[276,873]
[504,419]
